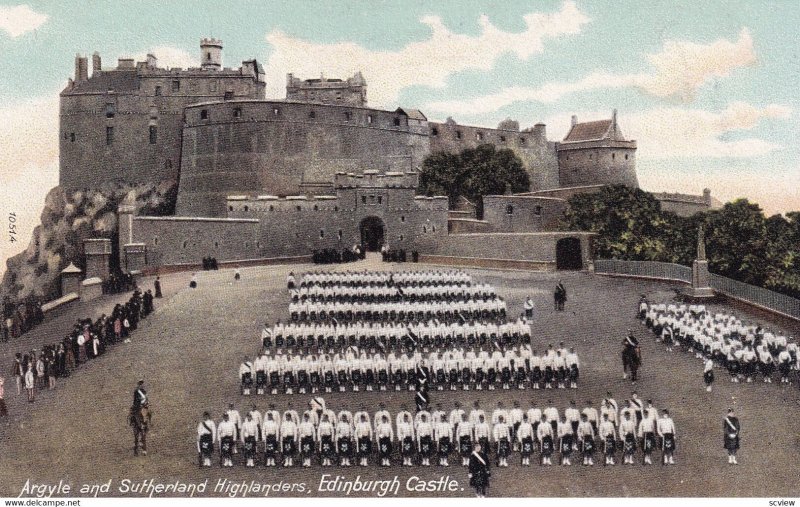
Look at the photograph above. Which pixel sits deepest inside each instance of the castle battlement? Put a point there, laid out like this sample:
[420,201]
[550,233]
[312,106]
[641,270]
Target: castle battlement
[375,179]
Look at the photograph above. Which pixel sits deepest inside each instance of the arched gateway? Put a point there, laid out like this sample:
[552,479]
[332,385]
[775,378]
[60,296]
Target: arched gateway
[372,233]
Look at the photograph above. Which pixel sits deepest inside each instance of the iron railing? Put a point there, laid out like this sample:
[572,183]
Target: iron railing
[644,269]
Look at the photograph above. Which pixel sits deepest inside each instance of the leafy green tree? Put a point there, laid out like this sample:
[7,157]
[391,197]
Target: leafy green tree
[473,173]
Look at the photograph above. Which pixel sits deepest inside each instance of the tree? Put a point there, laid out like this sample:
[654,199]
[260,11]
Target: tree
[473,173]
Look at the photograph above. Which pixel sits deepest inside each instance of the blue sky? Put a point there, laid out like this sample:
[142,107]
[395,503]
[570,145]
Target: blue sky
[709,89]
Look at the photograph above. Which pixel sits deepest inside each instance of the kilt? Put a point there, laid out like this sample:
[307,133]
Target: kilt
[466,375]
[733,367]
[573,373]
[370,377]
[226,447]
[407,447]
[307,446]
[492,375]
[425,446]
[587,446]
[261,379]
[289,446]
[566,445]
[629,447]
[465,446]
[329,378]
[708,377]
[314,378]
[383,377]
[302,378]
[479,376]
[356,376]
[548,374]
[669,442]
[649,442]
[527,447]
[453,376]
[288,378]
[345,446]
[440,378]
[611,445]
[342,377]
[327,448]
[536,375]
[274,379]
[731,441]
[249,447]
[445,446]
[385,447]
[547,446]
[503,448]
[270,446]
[206,445]
[505,375]
[364,447]
[397,377]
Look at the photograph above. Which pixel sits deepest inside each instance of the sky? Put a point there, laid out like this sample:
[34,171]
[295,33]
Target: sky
[708,89]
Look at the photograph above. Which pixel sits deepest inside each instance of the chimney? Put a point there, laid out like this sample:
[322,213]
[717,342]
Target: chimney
[152,61]
[574,119]
[539,132]
[614,117]
[81,68]
[707,196]
[96,64]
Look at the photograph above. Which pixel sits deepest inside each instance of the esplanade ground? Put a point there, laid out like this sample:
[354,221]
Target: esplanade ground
[189,351]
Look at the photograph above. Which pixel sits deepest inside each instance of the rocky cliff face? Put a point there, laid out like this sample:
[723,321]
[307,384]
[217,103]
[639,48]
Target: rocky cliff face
[69,218]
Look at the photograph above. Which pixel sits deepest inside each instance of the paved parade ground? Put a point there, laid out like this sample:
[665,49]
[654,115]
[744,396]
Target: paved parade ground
[189,351]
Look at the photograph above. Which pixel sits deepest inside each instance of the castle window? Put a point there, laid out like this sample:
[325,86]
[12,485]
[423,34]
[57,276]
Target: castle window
[336,208]
[321,234]
[369,118]
[153,134]
[567,157]
[246,244]
[613,156]
[402,218]
[363,199]
[401,237]
[72,137]
[204,114]
[537,210]
[424,229]
[158,91]
[208,56]
[228,96]
[522,141]
[109,136]
[184,244]
[155,240]
[434,132]
[316,208]
[247,208]
[110,110]
[380,199]
[626,156]
[479,136]
[176,86]
[340,234]
[312,114]
[230,208]
[458,134]
[298,208]
[258,244]
[433,228]
[347,115]
[397,122]
[509,209]
[237,112]
[216,244]
[590,156]
[212,85]
[271,207]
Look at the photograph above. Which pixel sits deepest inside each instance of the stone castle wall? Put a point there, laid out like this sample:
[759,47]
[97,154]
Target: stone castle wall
[604,162]
[511,213]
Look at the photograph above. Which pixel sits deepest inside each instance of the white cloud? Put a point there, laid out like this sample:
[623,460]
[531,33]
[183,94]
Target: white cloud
[29,165]
[680,69]
[428,62]
[19,20]
[676,132]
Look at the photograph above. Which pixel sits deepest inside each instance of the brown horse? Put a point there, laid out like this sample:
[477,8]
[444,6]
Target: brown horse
[139,419]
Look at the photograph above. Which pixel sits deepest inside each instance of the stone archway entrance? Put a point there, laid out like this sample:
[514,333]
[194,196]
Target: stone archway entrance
[372,233]
[568,254]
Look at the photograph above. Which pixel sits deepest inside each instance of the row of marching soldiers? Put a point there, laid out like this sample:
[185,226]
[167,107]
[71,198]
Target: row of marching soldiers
[347,438]
[518,367]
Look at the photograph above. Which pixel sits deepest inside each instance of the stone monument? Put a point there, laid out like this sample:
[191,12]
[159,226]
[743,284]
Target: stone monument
[701,279]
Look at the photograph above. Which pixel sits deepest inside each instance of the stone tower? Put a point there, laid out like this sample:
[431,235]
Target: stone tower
[211,54]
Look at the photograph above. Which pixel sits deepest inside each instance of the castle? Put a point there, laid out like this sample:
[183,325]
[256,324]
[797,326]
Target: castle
[263,178]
